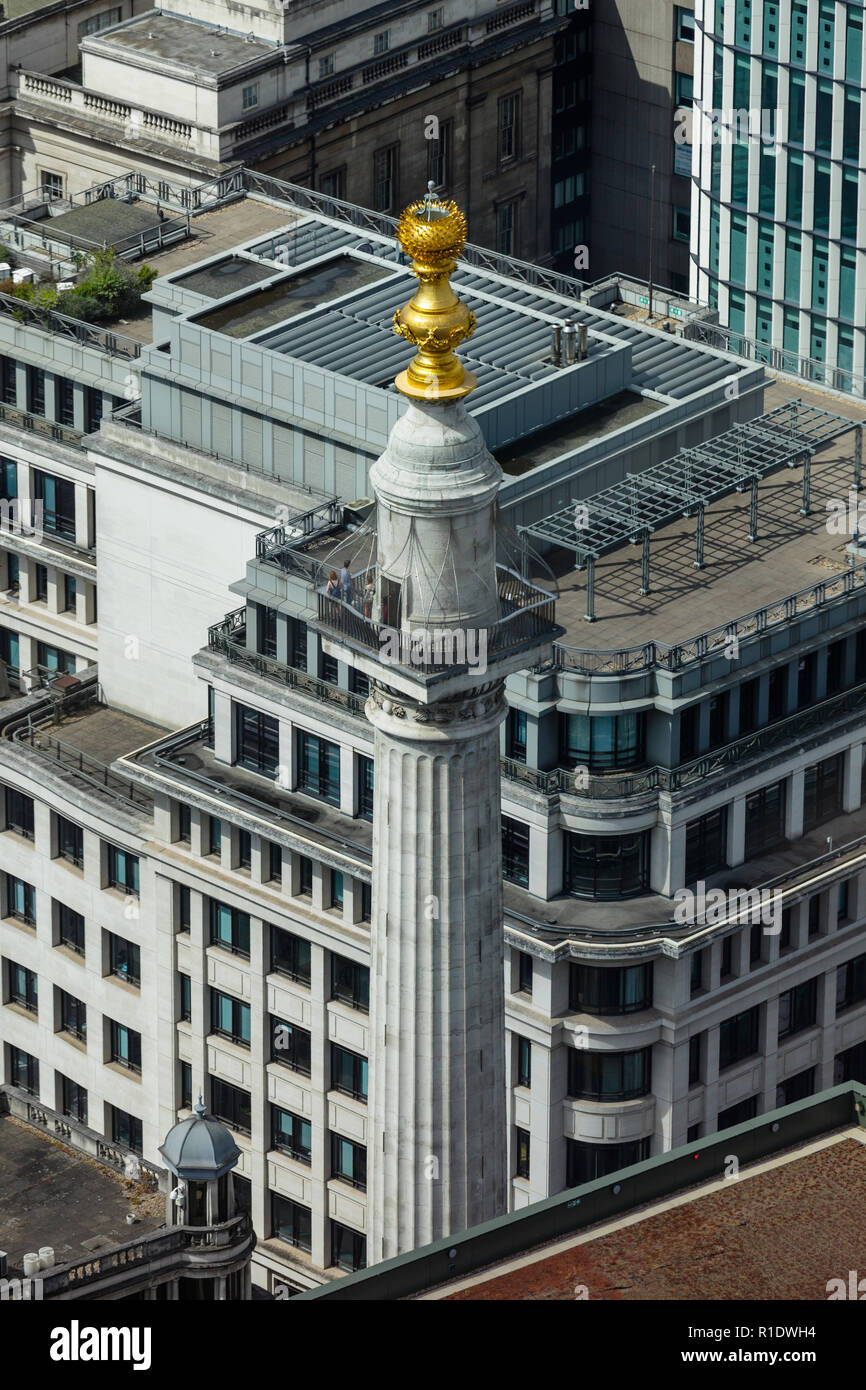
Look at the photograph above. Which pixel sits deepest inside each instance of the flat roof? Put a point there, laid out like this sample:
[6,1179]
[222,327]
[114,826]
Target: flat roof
[183,43]
[51,1195]
[279,303]
[105,734]
[782,1230]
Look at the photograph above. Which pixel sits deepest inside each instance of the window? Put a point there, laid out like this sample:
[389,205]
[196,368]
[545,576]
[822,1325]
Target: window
[214,836]
[683,90]
[506,228]
[682,224]
[305,876]
[330,672]
[23,987]
[24,1071]
[349,1162]
[8,382]
[230,1018]
[319,768]
[184,823]
[689,726]
[435,20]
[245,849]
[524,1062]
[35,391]
[851,983]
[126,1129]
[93,408]
[229,928]
[250,96]
[13,573]
[359,684]
[685,24]
[122,870]
[381,41]
[385,178]
[524,973]
[366,902]
[843,904]
[70,929]
[20,900]
[125,1046]
[9,651]
[439,158]
[65,399]
[366,774]
[756,938]
[814,916]
[727,965]
[73,1016]
[822,791]
[333,185]
[326,66]
[291,1223]
[509,110]
[266,629]
[586,1162]
[795,1088]
[95,22]
[695,1049]
[696,973]
[231,1105]
[185,991]
[785,933]
[124,959]
[292,1135]
[515,735]
[275,863]
[798,1008]
[52,185]
[348,1248]
[290,1045]
[70,842]
[57,496]
[606,867]
[258,740]
[600,989]
[69,593]
[738,1114]
[738,1038]
[348,1073]
[765,818]
[73,1100]
[350,983]
[184,908]
[706,845]
[521,1147]
[290,955]
[609,1076]
[515,852]
[186,1087]
[40,574]
[336,889]
[19,813]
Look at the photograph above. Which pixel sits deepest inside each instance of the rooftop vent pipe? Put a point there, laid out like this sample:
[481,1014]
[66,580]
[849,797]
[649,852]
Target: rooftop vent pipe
[569,334]
[556,343]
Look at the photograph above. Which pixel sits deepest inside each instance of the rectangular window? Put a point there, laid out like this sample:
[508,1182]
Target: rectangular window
[796,1088]
[765,819]
[439,157]
[24,1071]
[521,1153]
[245,850]
[381,42]
[57,496]
[609,1076]
[326,66]
[124,959]
[738,1114]
[515,735]
[290,955]
[524,1062]
[185,1086]
[73,1099]
[822,791]
[41,584]
[366,773]
[506,228]
[70,929]
[290,1045]
[610,990]
[348,1073]
[231,1105]
[333,185]
[229,928]
[292,1135]
[122,870]
[798,1008]
[349,1162]
[336,889]
[524,973]
[683,89]
[8,381]
[385,178]
[125,1046]
[258,740]
[70,842]
[185,991]
[275,863]
[291,1223]
[250,96]
[738,1038]
[214,836]
[706,845]
[330,672]
[685,24]
[69,593]
[843,902]
[73,1015]
[350,983]
[348,1248]
[230,1018]
[515,852]
[19,813]
[851,984]
[20,900]
[23,987]
[184,908]
[727,965]
[509,108]
[126,1130]
[35,391]
[65,397]
[366,902]
[319,768]
[8,478]
[682,224]
[52,185]
[96,22]
[305,876]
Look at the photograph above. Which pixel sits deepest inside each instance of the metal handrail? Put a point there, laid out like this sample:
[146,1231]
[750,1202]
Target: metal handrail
[222,637]
[103,339]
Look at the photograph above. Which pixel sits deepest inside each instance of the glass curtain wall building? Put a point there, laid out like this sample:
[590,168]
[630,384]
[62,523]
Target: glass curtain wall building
[779,196]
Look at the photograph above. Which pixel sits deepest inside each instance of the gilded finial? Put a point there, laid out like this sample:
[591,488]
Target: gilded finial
[433,233]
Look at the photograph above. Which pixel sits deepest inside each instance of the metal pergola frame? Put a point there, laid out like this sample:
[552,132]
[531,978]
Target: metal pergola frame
[686,484]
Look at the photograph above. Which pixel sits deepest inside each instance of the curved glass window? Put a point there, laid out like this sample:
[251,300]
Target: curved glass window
[607,866]
[598,989]
[609,1076]
[586,1162]
[602,742]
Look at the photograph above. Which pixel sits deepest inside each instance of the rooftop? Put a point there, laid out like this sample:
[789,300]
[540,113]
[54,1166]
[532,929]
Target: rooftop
[54,1196]
[182,43]
[782,1231]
